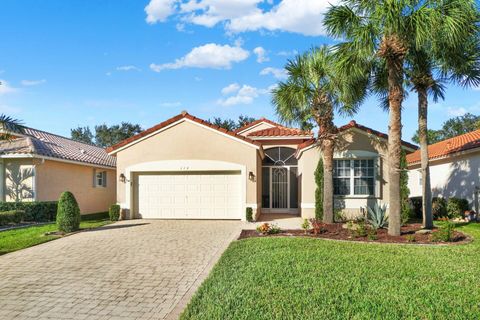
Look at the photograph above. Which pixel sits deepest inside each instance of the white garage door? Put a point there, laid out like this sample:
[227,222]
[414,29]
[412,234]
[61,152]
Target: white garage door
[202,195]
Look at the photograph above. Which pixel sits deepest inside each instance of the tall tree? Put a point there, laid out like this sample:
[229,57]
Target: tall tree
[82,134]
[107,136]
[9,126]
[228,124]
[442,59]
[244,120]
[312,93]
[379,34]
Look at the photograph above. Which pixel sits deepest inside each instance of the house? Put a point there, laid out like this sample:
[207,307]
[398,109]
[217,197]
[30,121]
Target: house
[454,169]
[187,168]
[39,166]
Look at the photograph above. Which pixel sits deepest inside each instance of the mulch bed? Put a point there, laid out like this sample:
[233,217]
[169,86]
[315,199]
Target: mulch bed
[336,231]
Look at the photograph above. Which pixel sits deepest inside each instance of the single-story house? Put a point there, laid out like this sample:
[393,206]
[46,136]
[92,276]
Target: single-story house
[187,168]
[454,169]
[39,166]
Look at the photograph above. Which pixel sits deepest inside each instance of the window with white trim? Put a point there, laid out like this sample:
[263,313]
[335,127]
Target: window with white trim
[354,177]
[100,178]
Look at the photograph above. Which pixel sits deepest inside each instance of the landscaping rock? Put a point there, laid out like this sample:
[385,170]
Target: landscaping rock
[423,231]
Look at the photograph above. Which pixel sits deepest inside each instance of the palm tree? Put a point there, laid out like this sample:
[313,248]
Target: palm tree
[311,94]
[380,33]
[9,125]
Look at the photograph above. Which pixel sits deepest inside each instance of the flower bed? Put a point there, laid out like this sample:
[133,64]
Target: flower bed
[339,231]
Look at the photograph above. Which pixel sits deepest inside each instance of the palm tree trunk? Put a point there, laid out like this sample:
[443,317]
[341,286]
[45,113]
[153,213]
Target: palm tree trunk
[327,154]
[395,97]
[425,168]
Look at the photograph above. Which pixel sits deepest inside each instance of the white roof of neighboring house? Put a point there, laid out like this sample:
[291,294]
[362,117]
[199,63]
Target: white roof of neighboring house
[40,143]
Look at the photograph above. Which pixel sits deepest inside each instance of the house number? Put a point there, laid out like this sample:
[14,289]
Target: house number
[184,168]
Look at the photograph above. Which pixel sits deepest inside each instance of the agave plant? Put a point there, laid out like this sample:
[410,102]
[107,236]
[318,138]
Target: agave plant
[377,216]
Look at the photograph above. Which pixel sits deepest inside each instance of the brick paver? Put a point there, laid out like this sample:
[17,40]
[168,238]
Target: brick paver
[135,269]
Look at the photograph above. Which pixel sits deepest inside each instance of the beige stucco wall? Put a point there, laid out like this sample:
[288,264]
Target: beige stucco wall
[19,180]
[350,143]
[189,141]
[54,177]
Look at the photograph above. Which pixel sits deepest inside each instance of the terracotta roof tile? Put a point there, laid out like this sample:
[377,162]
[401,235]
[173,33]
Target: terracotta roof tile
[450,146]
[279,132]
[173,120]
[37,142]
[251,124]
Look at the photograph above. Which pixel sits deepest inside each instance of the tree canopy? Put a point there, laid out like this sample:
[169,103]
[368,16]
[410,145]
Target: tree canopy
[105,135]
[231,124]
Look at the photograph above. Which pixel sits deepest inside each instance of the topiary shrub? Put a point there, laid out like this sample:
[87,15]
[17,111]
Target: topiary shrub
[114,212]
[249,214]
[12,216]
[68,213]
[456,207]
[319,190]
[439,208]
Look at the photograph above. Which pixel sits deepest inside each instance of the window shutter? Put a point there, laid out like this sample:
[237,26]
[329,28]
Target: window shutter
[378,176]
[104,178]
[94,178]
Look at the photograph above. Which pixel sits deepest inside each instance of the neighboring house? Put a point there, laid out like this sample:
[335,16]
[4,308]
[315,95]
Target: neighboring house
[454,169]
[39,166]
[187,168]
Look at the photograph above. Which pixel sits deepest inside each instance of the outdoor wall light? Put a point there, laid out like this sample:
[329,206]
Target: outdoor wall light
[122,178]
[251,176]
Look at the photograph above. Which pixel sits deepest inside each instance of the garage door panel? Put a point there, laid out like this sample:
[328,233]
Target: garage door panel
[211,195]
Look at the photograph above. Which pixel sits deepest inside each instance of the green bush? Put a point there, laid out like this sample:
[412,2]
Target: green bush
[37,211]
[319,190]
[114,212]
[439,208]
[95,216]
[68,214]
[12,216]
[456,207]
[249,214]
[445,233]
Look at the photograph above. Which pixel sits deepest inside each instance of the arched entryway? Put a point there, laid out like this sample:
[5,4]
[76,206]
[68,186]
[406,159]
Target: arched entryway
[279,181]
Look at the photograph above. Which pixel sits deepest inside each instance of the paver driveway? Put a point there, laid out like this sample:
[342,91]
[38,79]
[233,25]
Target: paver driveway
[132,269]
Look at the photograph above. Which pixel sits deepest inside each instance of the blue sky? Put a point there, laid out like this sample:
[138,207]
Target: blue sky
[76,63]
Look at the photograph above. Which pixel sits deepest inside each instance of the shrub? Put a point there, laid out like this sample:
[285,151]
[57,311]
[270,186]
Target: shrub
[445,232]
[274,229]
[377,216]
[305,225]
[114,212]
[439,208]
[338,215]
[249,214]
[12,216]
[456,207]
[317,226]
[357,230]
[319,190]
[372,234]
[95,216]
[68,214]
[410,238]
[37,211]
[266,228]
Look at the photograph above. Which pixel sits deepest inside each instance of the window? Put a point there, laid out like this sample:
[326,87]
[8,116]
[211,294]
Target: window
[280,156]
[100,178]
[354,177]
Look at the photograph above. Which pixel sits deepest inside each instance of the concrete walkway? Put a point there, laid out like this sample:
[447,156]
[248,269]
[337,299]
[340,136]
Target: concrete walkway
[135,269]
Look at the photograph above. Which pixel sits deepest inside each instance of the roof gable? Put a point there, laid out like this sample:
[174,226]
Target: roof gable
[184,116]
[464,142]
[252,126]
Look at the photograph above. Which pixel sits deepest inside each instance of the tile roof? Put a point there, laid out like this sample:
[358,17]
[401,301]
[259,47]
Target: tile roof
[41,143]
[251,124]
[280,132]
[354,124]
[450,146]
[183,115]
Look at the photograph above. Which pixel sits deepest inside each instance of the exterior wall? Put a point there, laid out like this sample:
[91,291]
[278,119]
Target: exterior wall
[188,141]
[457,176]
[19,180]
[54,177]
[351,144]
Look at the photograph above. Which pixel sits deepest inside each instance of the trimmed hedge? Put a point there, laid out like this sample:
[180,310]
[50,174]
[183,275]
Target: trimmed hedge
[95,216]
[114,212]
[37,211]
[249,214]
[68,213]
[12,216]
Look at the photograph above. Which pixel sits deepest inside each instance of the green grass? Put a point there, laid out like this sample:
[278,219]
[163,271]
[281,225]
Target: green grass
[300,278]
[13,240]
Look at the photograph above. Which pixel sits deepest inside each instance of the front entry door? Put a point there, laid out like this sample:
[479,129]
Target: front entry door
[280,188]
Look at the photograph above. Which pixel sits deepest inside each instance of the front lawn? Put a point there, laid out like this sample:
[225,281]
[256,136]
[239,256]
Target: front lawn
[302,278]
[13,240]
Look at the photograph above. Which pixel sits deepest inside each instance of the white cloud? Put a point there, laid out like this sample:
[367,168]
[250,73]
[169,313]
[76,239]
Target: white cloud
[455,112]
[285,53]
[128,68]
[171,104]
[210,55]
[244,94]
[277,73]
[33,82]
[298,16]
[159,10]
[261,54]
[6,109]
[5,88]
